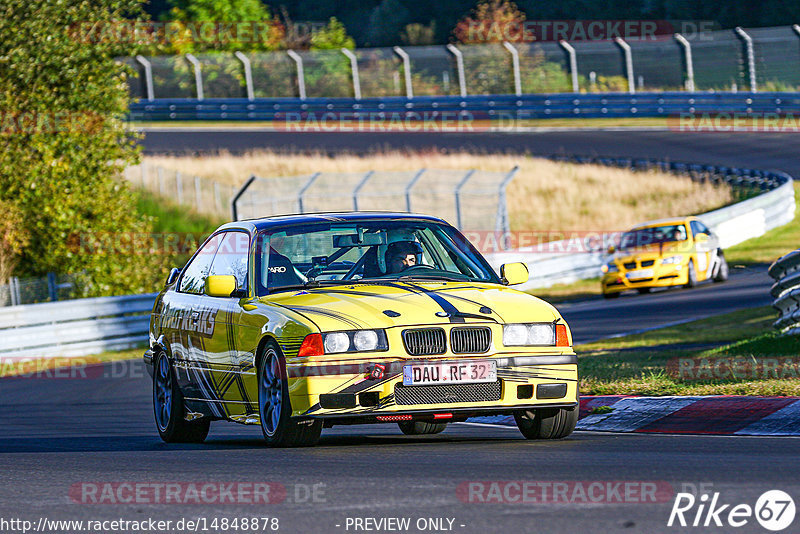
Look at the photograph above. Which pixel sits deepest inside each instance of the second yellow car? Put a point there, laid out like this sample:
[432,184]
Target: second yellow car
[664,253]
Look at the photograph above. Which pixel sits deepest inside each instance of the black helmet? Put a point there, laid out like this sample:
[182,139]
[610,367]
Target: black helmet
[401,249]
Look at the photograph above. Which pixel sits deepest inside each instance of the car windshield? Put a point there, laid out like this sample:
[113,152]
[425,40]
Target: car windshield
[380,251]
[657,234]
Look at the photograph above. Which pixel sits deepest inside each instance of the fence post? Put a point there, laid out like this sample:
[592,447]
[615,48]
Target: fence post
[573,64]
[52,289]
[515,67]
[462,82]
[198,197]
[358,187]
[143,168]
[406,70]
[160,171]
[179,186]
[198,75]
[628,57]
[687,57]
[354,72]
[411,184]
[301,77]
[248,73]
[457,192]
[502,223]
[303,190]
[239,193]
[148,77]
[13,285]
[751,58]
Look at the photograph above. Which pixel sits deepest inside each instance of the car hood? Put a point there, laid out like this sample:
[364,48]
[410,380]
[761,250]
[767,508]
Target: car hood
[419,303]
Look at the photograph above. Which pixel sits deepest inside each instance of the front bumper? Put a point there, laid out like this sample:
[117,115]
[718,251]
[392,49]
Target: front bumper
[524,381]
[663,276]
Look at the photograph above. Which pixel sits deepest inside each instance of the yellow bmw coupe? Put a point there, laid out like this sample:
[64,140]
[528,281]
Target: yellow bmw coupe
[299,323]
[664,253]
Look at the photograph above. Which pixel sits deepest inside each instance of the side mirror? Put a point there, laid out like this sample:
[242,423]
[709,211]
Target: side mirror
[701,238]
[172,277]
[514,273]
[612,249]
[220,285]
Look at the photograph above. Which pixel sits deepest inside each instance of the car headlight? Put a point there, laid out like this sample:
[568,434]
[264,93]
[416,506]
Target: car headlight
[520,335]
[672,260]
[610,267]
[355,341]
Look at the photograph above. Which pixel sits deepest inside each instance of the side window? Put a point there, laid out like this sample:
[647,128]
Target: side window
[231,257]
[699,228]
[194,275]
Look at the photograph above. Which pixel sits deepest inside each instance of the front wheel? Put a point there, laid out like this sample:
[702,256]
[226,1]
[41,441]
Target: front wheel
[418,428]
[169,409]
[280,429]
[547,423]
[722,270]
[691,275]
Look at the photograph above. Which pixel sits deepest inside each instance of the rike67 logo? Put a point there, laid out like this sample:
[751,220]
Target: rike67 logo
[774,510]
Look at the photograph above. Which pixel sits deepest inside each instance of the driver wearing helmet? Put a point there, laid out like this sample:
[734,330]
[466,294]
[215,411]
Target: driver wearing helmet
[402,255]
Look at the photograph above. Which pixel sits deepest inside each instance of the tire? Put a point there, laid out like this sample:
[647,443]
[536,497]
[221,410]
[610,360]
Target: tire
[280,429]
[610,295]
[418,428]
[168,407]
[547,423]
[643,290]
[691,275]
[722,270]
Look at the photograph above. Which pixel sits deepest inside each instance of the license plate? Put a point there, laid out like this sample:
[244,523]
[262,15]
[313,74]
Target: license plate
[420,374]
[643,273]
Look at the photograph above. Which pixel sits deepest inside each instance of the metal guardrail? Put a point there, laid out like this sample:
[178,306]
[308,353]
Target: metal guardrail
[74,327]
[786,291]
[297,114]
[773,207]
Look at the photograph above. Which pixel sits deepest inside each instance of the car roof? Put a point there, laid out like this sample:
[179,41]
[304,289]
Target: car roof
[668,220]
[263,223]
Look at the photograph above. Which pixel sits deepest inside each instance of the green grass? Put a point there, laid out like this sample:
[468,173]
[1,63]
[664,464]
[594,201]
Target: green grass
[649,363]
[573,291]
[169,217]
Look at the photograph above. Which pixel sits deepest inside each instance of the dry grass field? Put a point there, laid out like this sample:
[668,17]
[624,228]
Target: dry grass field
[544,195]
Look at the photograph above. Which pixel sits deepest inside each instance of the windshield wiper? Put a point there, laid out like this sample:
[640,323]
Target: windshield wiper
[431,277]
[311,284]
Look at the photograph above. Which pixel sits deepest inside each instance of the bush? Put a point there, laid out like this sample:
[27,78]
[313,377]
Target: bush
[62,97]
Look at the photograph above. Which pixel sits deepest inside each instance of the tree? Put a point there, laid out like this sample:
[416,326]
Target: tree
[223,25]
[385,23]
[332,37]
[492,21]
[63,144]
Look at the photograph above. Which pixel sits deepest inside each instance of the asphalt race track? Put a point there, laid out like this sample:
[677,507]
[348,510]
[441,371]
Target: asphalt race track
[751,150]
[595,318]
[63,435]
